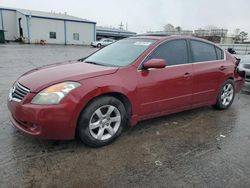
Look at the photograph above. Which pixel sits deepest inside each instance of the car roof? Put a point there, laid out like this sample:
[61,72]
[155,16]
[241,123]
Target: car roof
[146,36]
[161,37]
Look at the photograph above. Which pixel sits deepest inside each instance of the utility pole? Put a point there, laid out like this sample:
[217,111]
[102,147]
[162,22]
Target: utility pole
[121,26]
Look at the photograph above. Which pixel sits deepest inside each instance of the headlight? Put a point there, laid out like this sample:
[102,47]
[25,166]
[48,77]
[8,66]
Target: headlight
[54,94]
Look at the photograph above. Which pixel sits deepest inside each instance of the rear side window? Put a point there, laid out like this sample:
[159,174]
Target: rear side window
[220,53]
[203,51]
[174,52]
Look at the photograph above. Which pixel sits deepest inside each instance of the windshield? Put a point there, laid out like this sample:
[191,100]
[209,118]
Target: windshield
[121,53]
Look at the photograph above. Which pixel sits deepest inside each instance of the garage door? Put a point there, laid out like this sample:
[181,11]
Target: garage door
[2,40]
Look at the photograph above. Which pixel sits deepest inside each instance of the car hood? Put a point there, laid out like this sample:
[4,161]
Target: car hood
[40,78]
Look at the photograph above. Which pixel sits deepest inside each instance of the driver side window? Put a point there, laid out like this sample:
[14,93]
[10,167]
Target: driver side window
[174,52]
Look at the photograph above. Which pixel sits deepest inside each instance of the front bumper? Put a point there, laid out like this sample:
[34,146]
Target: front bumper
[55,122]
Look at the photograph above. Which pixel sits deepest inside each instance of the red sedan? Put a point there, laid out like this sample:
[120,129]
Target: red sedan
[131,80]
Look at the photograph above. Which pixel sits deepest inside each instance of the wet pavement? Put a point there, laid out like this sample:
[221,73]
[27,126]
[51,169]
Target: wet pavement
[197,148]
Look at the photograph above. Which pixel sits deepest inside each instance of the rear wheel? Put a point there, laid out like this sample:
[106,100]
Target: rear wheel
[99,45]
[226,95]
[102,121]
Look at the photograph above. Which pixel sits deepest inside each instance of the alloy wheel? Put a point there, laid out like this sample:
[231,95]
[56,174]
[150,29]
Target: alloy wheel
[227,94]
[105,122]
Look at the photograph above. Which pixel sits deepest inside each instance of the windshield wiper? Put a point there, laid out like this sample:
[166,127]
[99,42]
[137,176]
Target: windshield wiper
[101,64]
[94,63]
[82,59]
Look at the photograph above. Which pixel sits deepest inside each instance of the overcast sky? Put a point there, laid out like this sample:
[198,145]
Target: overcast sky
[145,15]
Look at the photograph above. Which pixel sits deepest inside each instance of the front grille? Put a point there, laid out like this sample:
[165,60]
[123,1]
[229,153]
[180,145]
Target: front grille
[18,92]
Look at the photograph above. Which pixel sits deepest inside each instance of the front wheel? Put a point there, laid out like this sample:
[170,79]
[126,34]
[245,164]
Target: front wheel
[102,121]
[226,95]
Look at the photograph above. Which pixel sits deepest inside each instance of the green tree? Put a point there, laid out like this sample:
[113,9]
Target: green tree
[178,29]
[169,27]
[243,36]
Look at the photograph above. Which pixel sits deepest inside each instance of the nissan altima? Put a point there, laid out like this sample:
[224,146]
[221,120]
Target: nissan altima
[131,80]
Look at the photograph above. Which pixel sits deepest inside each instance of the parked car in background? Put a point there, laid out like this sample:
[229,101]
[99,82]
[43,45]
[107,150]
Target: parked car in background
[131,80]
[103,42]
[245,66]
[247,70]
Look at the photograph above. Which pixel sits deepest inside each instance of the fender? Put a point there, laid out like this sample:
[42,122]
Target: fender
[88,96]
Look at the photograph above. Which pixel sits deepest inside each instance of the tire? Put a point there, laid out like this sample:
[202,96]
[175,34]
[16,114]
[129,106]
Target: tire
[99,45]
[226,96]
[102,121]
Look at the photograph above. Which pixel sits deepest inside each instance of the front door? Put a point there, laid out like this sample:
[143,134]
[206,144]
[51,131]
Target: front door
[170,88]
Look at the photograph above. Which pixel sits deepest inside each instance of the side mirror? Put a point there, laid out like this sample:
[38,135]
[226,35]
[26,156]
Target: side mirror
[155,63]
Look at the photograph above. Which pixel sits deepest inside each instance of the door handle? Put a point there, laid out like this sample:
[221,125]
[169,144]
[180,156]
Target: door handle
[222,68]
[187,75]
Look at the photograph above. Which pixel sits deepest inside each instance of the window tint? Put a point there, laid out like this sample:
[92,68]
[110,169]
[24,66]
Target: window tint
[220,54]
[203,51]
[174,52]
[52,35]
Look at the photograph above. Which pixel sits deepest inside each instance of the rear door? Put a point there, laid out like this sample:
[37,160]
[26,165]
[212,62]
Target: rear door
[209,67]
[170,88]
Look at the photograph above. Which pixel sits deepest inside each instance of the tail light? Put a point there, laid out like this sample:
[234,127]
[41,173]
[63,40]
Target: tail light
[237,61]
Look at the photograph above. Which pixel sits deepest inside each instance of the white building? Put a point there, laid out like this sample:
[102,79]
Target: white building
[43,27]
[172,32]
[202,32]
[212,32]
